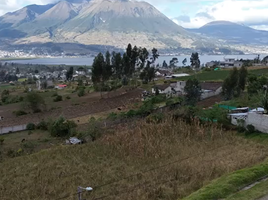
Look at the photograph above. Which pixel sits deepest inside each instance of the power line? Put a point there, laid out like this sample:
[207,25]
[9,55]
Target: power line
[161,166]
[146,171]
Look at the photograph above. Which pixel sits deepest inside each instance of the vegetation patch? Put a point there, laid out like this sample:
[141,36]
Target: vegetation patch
[229,184]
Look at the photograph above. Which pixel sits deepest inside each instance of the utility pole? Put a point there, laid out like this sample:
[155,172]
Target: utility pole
[79,193]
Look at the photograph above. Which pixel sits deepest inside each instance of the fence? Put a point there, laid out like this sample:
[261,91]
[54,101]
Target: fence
[17,128]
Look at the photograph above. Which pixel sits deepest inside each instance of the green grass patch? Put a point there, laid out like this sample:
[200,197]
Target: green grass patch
[255,192]
[229,184]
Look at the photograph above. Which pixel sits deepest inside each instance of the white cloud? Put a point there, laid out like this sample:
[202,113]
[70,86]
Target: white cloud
[249,12]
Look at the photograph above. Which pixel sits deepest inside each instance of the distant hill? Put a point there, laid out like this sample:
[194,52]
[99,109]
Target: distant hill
[233,33]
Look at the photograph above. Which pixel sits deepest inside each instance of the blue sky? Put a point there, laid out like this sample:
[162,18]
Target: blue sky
[190,13]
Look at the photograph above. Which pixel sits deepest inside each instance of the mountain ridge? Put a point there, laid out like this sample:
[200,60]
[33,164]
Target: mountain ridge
[233,33]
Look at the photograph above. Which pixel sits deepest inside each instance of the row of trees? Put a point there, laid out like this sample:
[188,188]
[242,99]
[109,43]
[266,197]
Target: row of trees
[134,62]
[194,59]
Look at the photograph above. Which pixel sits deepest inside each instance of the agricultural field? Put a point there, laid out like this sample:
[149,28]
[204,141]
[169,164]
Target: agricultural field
[220,75]
[136,160]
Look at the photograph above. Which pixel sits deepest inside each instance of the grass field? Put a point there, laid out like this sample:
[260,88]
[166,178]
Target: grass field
[169,160]
[222,74]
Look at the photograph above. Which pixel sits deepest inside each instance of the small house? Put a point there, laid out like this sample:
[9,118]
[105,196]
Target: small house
[210,89]
[60,87]
[163,89]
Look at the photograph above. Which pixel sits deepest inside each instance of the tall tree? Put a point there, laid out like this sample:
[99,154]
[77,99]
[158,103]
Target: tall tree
[193,92]
[69,74]
[108,58]
[155,55]
[195,62]
[173,62]
[184,61]
[117,65]
[98,69]
[143,57]
[243,73]
[165,65]
[230,87]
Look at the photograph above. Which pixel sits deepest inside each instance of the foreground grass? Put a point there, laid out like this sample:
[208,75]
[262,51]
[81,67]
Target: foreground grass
[229,184]
[190,157]
[256,192]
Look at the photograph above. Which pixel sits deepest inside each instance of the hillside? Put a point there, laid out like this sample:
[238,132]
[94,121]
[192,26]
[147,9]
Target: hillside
[163,160]
[233,33]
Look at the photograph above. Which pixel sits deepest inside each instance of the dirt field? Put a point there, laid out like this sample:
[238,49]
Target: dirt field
[87,105]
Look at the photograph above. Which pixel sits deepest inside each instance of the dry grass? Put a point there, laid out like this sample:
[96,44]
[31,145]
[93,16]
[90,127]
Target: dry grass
[133,149]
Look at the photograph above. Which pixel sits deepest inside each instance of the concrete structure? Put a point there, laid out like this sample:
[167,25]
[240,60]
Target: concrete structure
[210,89]
[11,129]
[163,89]
[230,63]
[254,117]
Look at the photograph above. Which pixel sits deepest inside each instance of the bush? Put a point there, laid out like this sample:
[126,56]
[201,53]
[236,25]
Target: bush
[61,127]
[30,126]
[20,113]
[112,116]
[81,92]
[68,97]
[55,94]
[2,141]
[43,125]
[250,129]
[58,98]
[155,118]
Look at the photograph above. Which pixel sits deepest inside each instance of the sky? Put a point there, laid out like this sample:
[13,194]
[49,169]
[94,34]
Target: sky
[190,13]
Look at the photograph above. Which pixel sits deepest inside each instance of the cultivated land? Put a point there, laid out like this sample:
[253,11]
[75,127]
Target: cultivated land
[167,159]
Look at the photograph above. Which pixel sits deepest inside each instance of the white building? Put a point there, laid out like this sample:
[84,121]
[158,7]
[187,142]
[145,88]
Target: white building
[230,63]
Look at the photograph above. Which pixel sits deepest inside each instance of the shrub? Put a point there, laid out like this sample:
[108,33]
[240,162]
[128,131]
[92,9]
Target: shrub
[30,126]
[81,92]
[11,153]
[20,113]
[155,118]
[55,94]
[2,141]
[58,98]
[68,97]
[112,116]
[61,127]
[250,129]
[43,125]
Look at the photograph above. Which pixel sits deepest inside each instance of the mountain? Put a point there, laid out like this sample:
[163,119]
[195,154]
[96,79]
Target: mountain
[98,23]
[233,33]
[95,22]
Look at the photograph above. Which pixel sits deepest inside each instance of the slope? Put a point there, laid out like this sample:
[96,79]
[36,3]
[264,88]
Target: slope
[49,20]
[136,149]
[233,33]
[10,21]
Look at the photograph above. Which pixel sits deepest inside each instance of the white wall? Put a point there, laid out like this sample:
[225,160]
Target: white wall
[259,121]
[211,93]
[5,130]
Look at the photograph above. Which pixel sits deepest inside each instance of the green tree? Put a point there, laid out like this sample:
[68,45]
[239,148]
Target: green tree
[155,55]
[230,87]
[4,95]
[184,61]
[143,57]
[173,62]
[108,58]
[195,62]
[61,127]
[265,102]
[243,73]
[69,74]
[117,65]
[193,92]
[165,65]
[34,102]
